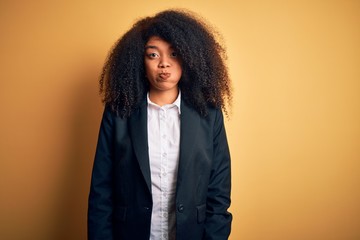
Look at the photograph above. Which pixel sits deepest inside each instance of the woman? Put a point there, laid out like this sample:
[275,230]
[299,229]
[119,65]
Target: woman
[162,163]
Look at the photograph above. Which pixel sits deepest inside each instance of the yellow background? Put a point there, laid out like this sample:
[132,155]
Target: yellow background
[294,132]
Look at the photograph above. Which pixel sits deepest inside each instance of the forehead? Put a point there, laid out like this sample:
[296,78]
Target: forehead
[157,42]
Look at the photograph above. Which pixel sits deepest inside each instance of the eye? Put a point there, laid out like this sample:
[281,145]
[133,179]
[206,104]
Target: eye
[153,55]
[174,55]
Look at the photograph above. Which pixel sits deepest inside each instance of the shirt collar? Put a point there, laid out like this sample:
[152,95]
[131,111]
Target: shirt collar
[176,103]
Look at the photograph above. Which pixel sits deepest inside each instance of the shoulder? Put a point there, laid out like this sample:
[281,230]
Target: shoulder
[110,111]
[211,114]
[214,114]
[113,110]
[213,120]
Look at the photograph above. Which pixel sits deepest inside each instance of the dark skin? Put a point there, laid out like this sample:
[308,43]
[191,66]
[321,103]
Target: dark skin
[163,71]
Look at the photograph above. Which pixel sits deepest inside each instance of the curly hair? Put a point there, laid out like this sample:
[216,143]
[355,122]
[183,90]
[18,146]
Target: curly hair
[204,82]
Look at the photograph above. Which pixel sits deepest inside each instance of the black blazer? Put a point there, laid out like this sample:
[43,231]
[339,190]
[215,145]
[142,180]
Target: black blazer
[120,201]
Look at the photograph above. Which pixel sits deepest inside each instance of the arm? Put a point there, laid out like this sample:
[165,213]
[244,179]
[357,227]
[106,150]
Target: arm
[100,198]
[218,219]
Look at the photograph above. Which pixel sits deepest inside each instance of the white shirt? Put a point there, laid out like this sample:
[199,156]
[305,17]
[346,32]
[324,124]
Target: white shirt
[164,144]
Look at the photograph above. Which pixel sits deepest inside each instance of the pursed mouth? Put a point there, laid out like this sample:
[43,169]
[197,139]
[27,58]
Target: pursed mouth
[164,75]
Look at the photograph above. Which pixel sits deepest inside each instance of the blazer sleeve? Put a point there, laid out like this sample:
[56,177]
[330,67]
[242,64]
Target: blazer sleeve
[100,205]
[218,219]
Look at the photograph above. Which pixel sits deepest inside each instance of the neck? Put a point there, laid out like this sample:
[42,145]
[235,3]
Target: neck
[162,98]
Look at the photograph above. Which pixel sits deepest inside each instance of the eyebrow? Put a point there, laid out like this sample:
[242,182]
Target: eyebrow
[155,47]
[151,46]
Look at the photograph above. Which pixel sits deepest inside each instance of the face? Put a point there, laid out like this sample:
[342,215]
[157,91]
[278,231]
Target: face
[162,65]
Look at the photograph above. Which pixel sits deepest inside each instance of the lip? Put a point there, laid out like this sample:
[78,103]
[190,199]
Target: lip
[164,75]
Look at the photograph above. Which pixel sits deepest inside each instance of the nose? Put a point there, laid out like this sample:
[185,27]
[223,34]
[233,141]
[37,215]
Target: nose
[164,62]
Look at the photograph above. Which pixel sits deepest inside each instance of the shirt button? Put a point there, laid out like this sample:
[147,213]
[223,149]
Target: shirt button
[164,155]
[180,208]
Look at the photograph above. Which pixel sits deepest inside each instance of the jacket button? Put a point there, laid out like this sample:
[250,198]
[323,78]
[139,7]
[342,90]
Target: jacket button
[180,208]
[146,208]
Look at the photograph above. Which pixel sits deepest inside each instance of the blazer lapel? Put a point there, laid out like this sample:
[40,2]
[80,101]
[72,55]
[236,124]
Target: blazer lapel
[189,125]
[138,131]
